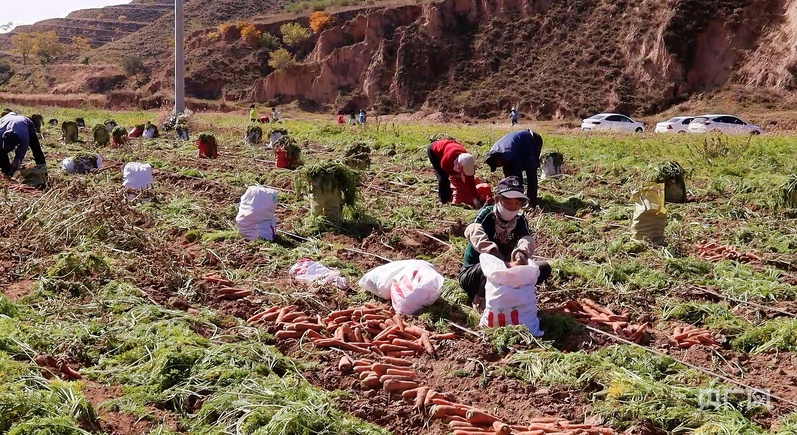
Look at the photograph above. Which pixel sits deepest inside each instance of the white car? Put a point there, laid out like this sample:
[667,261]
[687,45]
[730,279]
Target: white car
[679,124]
[722,124]
[613,122]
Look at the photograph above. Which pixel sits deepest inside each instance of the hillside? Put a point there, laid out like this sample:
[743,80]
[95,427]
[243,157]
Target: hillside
[553,59]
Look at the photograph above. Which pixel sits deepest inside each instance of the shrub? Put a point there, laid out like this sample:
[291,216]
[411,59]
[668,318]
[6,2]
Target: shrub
[269,41]
[281,59]
[294,33]
[320,21]
[132,65]
[251,35]
[5,71]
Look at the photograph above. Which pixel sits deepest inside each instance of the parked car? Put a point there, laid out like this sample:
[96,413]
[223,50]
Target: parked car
[679,124]
[722,124]
[613,122]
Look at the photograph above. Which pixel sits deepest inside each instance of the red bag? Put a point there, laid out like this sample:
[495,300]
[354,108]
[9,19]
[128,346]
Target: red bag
[484,192]
[207,148]
[282,159]
[461,194]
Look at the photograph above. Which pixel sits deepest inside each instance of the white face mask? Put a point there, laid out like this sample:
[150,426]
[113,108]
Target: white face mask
[504,213]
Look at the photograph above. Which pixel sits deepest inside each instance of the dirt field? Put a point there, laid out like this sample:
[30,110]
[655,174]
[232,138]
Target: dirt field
[118,289]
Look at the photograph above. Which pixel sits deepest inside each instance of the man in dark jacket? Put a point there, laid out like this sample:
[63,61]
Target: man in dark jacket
[501,232]
[17,134]
[518,152]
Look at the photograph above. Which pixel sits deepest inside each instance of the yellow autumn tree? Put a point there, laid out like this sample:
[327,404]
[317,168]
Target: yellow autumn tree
[281,59]
[47,46]
[320,21]
[251,35]
[22,43]
[294,34]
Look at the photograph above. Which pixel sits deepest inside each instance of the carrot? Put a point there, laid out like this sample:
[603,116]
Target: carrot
[371,305]
[227,289]
[283,311]
[313,335]
[217,280]
[471,431]
[368,374]
[617,328]
[331,342]
[362,362]
[410,344]
[476,416]
[431,394]
[374,316]
[400,353]
[420,396]
[501,428]
[427,343]
[446,336]
[348,334]
[638,334]
[373,330]
[414,330]
[340,313]
[410,394]
[544,420]
[568,425]
[396,361]
[345,364]
[361,369]
[707,340]
[393,385]
[401,372]
[531,432]
[456,424]
[446,410]
[390,322]
[236,295]
[358,335]
[70,372]
[303,326]
[370,382]
[393,348]
[441,401]
[399,322]
[282,335]
[385,332]
[260,315]
[382,368]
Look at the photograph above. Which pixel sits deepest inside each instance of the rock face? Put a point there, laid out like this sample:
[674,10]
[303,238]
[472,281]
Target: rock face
[549,58]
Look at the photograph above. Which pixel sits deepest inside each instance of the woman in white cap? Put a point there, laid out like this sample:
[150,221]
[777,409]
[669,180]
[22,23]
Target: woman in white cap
[453,165]
[501,232]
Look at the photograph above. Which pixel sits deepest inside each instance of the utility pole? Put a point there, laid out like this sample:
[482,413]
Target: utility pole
[179,58]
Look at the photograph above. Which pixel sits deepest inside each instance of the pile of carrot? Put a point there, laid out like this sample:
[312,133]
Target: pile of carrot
[49,365]
[591,313]
[536,426]
[713,251]
[227,291]
[689,336]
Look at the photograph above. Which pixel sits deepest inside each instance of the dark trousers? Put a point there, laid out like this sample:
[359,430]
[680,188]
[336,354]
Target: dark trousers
[443,184]
[472,279]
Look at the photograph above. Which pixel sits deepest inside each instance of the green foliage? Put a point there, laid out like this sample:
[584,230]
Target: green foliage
[294,34]
[715,317]
[133,65]
[281,59]
[327,176]
[780,334]
[508,337]
[788,191]
[269,41]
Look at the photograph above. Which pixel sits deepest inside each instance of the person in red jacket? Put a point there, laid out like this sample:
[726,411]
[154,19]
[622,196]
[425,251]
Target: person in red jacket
[453,165]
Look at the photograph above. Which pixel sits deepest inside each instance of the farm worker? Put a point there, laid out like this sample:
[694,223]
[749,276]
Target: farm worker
[513,116]
[275,114]
[362,116]
[453,165]
[253,113]
[265,119]
[517,152]
[499,231]
[352,119]
[17,134]
[340,118]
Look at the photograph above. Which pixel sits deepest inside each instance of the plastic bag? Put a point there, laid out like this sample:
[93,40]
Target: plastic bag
[510,295]
[409,284]
[650,216]
[552,165]
[309,272]
[255,219]
[136,175]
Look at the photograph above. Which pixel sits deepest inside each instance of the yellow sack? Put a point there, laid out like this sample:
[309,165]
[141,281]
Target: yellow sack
[650,216]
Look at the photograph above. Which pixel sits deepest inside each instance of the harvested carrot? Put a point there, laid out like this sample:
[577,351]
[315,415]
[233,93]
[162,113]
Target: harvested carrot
[473,431]
[476,416]
[420,396]
[430,395]
[677,331]
[236,295]
[368,374]
[393,348]
[400,353]
[384,378]
[340,313]
[410,344]
[374,316]
[393,385]
[348,334]
[414,330]
[409,394]
[531,432]
[446,336]
[441,401]
[371,382]
[427,343]
[501,428]
[313,335]
[283,311]
[544,420]
[386,332]
[303,326]
[260,315]
[396,361]
[358,335]
[70,372]
[345,364]
[331,342]
[636,336]
[568,425]
[456,424]
[399,321]
[362,362]
[400,372]
[361,369]
[446,410]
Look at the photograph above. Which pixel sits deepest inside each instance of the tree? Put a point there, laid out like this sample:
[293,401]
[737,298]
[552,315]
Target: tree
[81,46]
[281,59]
[294,34]
[269,41]
[132,65]
[47,46]
[23,44]
[320,21]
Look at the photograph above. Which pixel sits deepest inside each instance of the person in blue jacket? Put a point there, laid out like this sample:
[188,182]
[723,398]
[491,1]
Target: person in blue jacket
[17,134]
[518,152]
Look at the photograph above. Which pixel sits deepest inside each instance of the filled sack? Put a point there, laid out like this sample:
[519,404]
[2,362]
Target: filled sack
[510,294]
[136,175]
[256,219]
[35,176]
[650,215]
[409,284]
[81,164]
[552,165]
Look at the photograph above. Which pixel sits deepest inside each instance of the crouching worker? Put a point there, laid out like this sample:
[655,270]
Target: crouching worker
[499,231]
[17,134]
[453,165]
[518,152]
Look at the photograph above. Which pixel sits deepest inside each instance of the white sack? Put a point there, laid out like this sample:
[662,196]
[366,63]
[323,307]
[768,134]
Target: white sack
[510,294]
[255,219]
[136,175]
[409,284]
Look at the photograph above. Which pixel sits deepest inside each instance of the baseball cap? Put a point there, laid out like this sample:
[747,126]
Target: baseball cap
[511,187]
